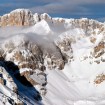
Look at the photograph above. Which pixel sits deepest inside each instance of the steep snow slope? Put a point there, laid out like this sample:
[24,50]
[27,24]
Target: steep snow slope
[43,25]
[54,61]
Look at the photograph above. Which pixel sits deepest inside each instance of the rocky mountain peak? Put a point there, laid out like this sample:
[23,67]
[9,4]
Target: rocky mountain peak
[18,17]
[24,17]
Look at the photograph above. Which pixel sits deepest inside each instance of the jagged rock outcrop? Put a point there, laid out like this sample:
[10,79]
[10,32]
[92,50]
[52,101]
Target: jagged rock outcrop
[8,86]
[99,79]
[27,54]
[64,45]
[19,17]
[52,61]
[24,17]
[99,50]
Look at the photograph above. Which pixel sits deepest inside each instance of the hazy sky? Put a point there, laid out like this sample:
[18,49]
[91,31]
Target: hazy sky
[59,8]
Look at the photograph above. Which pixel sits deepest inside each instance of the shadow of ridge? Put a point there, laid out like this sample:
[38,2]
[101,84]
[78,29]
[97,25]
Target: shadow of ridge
[25,89]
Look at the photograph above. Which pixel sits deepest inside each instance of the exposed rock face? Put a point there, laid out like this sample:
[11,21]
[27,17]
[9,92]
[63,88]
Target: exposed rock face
[19,17]
[24,17]
[88,25]
[5,80]
[99,79]
[54,60]
[28,56]
[92,39]
[99,50]
[65,47]
[2,81]
[5,75]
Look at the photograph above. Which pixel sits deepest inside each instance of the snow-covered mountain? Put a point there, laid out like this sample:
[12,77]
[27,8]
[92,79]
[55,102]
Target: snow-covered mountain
[51,61]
